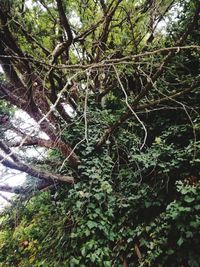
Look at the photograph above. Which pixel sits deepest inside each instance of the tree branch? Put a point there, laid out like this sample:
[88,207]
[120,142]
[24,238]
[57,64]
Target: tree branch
[108,62]
[150,82]
[42,185]
[167,98]
[17,164]
[64,21]
[45,126]
[104,35]
[60,48]
[4,197]
[32,171]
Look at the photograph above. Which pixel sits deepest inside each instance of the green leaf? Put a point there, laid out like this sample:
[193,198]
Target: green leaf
[189,199]
[91,224]
[180,241]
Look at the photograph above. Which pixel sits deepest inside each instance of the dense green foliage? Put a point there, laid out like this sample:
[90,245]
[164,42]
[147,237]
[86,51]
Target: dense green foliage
[122,200]
[130,206]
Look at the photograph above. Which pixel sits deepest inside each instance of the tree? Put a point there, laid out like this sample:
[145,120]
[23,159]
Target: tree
[134,90]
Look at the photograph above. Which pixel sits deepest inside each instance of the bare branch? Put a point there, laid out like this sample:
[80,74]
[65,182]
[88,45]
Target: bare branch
[108,62]
[4,197]
[8,151]
[32,171]
[42,185]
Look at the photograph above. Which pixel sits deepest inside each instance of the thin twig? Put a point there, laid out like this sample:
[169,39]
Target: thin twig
[129,106]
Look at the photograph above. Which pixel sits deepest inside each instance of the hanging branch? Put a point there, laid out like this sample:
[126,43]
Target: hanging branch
[128,105]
